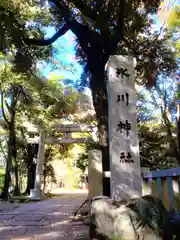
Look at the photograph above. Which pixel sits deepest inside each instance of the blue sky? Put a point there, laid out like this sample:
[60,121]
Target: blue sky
[63,57]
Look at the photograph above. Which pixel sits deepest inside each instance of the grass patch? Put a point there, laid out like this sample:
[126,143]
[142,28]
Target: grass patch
[48,195]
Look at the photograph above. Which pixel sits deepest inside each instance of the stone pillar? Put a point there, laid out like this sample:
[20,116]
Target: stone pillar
[95,173]
[125,168]
[36,192]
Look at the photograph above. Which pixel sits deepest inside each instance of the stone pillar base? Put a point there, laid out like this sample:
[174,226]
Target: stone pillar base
[35,194]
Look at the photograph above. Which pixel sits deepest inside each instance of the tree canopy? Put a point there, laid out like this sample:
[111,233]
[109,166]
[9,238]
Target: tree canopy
[110,28]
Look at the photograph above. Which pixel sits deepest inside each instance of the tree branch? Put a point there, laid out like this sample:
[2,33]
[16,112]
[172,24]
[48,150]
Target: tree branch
[86,11]
[83,33]
[46,42]
[15,97]
[63,8]
[8,107]
[11,15]
[119,29]
[2,107]
[129,46]
[38,42]
[2,150]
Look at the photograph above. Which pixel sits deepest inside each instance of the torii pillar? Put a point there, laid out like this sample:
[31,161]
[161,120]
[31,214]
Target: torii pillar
[36,192]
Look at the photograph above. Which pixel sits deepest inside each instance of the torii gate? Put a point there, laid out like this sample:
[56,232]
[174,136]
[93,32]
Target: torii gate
[124,172]
[68,129]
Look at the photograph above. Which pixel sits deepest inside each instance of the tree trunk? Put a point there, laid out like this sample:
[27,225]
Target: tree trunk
[29,172]
[99,92]
[16,173]
[7,179]
[12,151]
[173,142]
[32,153]
[178,139]
[44,180]
[178,129]
[16,169]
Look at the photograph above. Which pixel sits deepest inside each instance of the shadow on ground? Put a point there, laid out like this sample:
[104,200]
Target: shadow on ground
[47,220]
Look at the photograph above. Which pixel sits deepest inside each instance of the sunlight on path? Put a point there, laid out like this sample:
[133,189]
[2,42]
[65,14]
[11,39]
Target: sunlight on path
[46,220]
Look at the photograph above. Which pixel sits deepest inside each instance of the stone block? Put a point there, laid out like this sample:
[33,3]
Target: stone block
[139,218]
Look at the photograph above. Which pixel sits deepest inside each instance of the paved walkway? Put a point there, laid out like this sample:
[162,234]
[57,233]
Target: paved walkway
[46,220]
